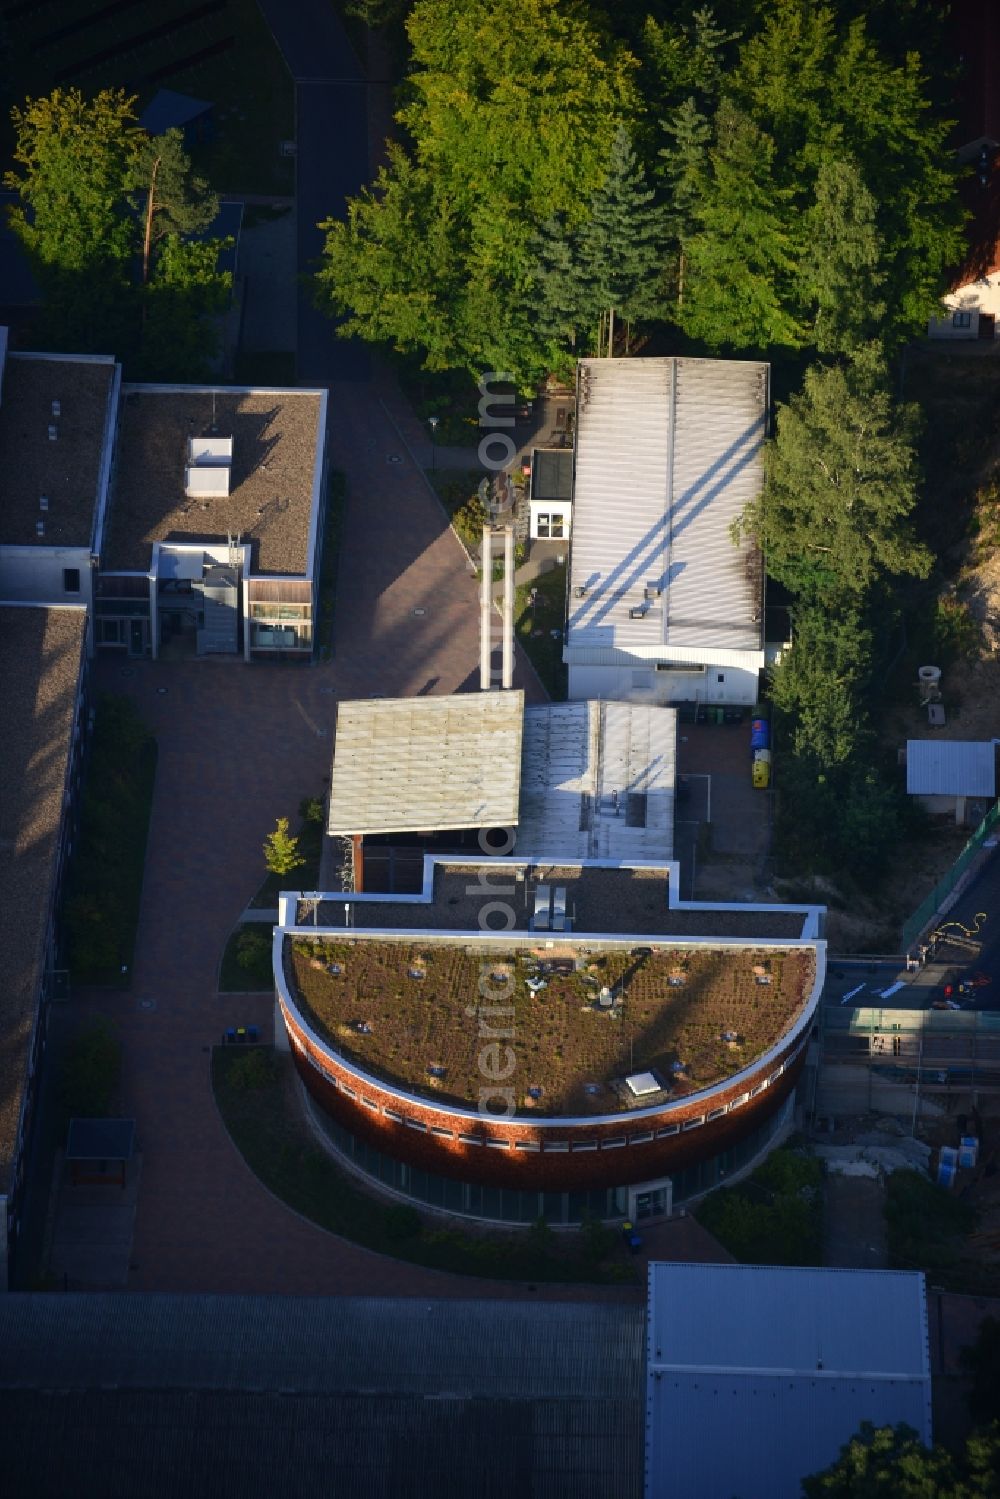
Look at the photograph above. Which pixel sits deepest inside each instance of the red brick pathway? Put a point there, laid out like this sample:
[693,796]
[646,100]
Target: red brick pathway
[239,746]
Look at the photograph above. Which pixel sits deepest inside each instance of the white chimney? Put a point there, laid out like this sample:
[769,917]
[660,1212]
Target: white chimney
[39,528]
[53,432]
[57,408]
[43,502]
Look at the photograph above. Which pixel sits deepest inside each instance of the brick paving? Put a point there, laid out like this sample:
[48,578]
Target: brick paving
[240,745]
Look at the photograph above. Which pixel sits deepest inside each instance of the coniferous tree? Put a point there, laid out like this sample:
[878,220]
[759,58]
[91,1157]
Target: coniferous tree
[742,256]
[610,268]
[840,486]
[843,275]
[168,197]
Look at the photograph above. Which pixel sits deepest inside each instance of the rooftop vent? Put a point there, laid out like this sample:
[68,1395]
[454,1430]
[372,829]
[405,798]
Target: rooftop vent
[639,612]
[39,528]
[209,467]
[652,590]
[43,502]
[57,408]
[53,432]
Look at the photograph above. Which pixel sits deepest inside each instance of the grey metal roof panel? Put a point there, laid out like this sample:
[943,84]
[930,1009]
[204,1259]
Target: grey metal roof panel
[758,1374]
[950,767]
[668,453]
[768,1317]
[743,1436]
[119,1444]
[427,763]
[322,1345]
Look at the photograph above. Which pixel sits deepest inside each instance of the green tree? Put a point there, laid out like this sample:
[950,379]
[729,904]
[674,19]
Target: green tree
[186,294]
[74,154]
[890,1462]
[821,681]
[840,486]
[511,108]
[843,276]
[610,267]
[281,849]
[168,197]
[682,171]
[743,254]
[821,90]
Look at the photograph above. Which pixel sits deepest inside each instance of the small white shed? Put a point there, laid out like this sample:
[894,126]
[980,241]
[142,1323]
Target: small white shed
[946,775]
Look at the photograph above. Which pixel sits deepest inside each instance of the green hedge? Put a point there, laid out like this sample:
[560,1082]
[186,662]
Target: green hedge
[104,884]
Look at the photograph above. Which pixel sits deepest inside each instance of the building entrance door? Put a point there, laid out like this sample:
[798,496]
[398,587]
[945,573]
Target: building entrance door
[137,637]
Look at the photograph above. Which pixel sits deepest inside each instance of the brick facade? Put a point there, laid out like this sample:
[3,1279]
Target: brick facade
[524,1153]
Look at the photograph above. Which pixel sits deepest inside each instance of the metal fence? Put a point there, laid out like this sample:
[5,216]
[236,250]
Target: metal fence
[929,908]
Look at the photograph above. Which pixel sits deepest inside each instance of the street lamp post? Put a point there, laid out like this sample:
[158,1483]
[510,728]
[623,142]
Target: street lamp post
[433,421]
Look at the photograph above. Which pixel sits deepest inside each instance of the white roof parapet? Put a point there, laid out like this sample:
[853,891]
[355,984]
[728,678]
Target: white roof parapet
[669,452]
[426,764]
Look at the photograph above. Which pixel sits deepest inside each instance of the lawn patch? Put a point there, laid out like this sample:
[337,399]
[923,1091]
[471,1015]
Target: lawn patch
[775,1217]
[259,1105]
[535,621]
[101,905]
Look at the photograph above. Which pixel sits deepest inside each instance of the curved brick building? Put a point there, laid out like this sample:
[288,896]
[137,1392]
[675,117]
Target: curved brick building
[629,1060]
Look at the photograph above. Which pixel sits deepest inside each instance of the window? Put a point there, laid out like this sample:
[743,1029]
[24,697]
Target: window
[550,525]
[678,666]
[71,580]
[110,632]
[720,676]
[961,320]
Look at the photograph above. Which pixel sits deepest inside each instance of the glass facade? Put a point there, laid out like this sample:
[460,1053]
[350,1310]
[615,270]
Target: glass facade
[511,1205]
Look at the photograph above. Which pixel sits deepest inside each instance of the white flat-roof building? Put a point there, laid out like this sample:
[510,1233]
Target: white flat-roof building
[663,607]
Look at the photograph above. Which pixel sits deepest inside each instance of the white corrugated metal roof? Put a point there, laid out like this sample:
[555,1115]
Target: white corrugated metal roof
[950,767]
[668,452]
[597,781]
[427,763]
[758,1374]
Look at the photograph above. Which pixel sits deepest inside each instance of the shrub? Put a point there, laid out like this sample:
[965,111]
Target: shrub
[91,1071]
[257,1069]
[311,809]
[401,1222]
[252,949]
[926,1223]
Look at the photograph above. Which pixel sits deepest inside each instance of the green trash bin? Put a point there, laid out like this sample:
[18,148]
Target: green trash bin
[720,715]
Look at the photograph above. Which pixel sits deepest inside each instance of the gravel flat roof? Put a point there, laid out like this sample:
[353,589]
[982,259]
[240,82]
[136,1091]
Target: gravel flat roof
[40,661]
[276,447]
[630,901]
[68,470]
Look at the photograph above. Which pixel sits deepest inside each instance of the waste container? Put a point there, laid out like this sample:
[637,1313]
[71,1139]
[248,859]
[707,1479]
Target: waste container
[760,734]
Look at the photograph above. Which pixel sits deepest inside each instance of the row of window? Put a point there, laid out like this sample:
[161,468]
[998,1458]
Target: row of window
[523,1205]
[550,1147]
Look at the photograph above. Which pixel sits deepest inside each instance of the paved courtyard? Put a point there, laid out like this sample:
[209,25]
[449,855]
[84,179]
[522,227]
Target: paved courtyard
[239,746]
